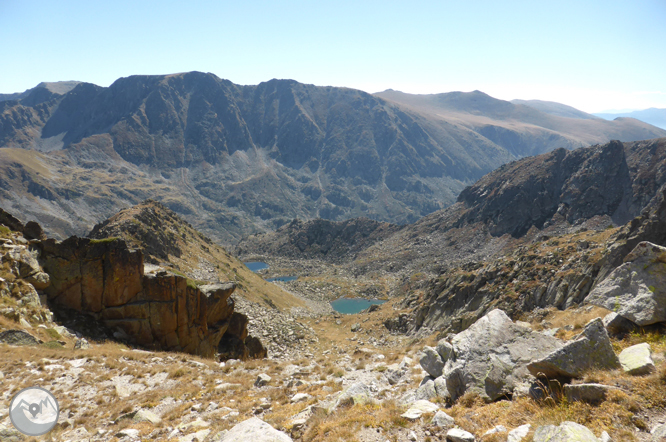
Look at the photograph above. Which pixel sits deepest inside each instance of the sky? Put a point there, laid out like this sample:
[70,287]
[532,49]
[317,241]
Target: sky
[593,55]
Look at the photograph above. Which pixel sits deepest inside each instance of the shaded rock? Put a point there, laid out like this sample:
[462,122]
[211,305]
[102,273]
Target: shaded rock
[590,349]
[518,434]
[442,420]
[356,327]
[637,289]
[262,379]
[636,359]
[566,432]
[396,372]
[431,362]
[458,435]
[33,230]
[441,389]
[444,349]
[81,344]
[491,356]
[590,393]
[616,325]
[426,390]
[255,430]
[18,337]
[419,408]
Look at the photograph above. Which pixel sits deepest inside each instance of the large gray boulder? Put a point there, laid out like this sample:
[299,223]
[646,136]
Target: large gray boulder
[255,430]
[636,360]
[431,362]
[18,337]
[637,289]
[491,357]
[590,393]
[590,349]
[565,432]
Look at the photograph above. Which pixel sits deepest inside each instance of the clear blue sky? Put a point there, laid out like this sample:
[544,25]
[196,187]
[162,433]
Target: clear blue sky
[593,55]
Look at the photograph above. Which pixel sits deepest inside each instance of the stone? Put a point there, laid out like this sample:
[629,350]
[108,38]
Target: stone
[300,397]
[636,360]
[605,437]
[255,430]
[419,408]
[490,358]
[426,390]
[199,436]
[495,430]
[412,436]
[262,379]
[128,432]
[590,349]
[616,325]
[442,420]
[565,432]
[358,393]
[431,362]
[395,373]
[146,416]
[659,433]
[18,337]
[81,344]
[458,435]
[441,389]
[518,434]
[444,349]
[636,290]
[590,393]
[356,327]
[76,434]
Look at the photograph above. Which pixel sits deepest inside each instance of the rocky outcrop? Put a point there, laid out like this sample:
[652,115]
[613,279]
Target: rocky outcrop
[565,432]
[490,358]
[637,289]
[104,278]
[590,349]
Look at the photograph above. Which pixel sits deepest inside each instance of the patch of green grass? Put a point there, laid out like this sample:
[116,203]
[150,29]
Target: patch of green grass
[5,230]
[103,240]
[53,333]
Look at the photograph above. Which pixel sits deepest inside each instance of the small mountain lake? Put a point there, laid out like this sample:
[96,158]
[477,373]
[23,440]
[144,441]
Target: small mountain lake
[255,266]
[350,306]
[283,278]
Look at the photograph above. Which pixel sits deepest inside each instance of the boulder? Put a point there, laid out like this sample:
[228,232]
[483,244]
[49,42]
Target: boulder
[616,325]
[636,360]
[18,337]
[636,290]
[426,390]
[255,430]
[565,432]
[395,372]
[262,380]
[590,393]
[518,434]
[419,408]
[431,362]
[491,356]
[358,393]
[458,435]
[146,416]
[590,349]
[444,349]
[659,433]
[442,420]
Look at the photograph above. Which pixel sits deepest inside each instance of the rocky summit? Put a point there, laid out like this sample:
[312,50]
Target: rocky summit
[530,310]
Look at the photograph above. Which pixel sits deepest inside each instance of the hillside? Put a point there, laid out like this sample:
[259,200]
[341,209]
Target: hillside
[236,160]
[653,116]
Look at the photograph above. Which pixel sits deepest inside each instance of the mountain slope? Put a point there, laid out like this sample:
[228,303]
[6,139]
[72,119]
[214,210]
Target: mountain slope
[654,116]
[237,160]
[523,129]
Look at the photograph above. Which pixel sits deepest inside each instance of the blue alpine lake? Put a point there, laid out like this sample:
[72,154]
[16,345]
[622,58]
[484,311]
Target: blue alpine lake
[350,306]
[255,266]
[283,278]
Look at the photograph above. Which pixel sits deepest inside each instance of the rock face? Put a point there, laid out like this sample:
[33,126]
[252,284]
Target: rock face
[591,393]
[590,349]
[105,279]
[256,430]
[491,357]
[637,289]
[18,337]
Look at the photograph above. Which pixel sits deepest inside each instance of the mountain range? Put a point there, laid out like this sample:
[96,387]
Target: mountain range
[236,160]
[653,116]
